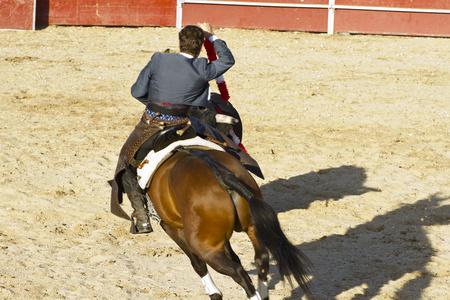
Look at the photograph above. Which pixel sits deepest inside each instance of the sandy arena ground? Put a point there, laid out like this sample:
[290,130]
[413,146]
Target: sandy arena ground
[351,132]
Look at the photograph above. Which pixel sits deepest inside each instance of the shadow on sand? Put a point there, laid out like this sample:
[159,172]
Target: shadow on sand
[323,185]
[360,262]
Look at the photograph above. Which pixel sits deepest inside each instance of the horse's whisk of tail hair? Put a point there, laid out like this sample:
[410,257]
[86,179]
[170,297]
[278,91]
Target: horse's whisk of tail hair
[290,260]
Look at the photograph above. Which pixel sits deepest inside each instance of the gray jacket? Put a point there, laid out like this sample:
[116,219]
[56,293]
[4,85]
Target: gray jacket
[175,79]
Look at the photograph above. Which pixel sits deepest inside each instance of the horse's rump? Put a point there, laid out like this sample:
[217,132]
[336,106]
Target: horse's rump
[185,178]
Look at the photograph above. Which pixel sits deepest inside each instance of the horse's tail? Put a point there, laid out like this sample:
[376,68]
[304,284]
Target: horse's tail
[290,260]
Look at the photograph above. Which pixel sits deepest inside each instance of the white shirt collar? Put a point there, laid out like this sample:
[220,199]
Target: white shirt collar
[186,55]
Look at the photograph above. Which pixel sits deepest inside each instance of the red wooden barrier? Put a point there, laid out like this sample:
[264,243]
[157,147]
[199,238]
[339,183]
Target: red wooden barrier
[255,17]
[399,17]
[15,14]
[403,17]
[109,12]
[394,23]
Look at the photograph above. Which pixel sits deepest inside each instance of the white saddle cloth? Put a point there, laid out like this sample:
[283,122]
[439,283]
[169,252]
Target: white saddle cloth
[154,159]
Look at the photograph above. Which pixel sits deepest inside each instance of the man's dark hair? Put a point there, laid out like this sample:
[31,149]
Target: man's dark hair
[191,39]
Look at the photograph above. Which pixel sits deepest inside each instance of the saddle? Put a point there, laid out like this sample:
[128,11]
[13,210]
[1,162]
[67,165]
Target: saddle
[198,136]
[172,134]
[155,158]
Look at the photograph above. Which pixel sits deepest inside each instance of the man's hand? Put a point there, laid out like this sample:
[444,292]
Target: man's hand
[207,29]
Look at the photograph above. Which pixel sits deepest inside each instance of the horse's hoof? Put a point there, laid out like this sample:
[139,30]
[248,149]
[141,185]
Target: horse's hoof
[215,297]
[145,228]
[140,228]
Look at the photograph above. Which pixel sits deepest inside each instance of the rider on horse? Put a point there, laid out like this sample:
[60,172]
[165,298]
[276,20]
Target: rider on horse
[170,85]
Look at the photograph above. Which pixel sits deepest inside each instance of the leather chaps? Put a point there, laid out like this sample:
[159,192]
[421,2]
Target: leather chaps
[144,130]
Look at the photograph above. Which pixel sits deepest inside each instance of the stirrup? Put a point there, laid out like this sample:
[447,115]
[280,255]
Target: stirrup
[152,211]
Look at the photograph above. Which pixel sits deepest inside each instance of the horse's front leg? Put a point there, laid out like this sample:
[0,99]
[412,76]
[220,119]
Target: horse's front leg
[199,265]
[211,289]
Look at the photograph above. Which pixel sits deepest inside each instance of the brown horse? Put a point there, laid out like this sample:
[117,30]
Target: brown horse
[201,198]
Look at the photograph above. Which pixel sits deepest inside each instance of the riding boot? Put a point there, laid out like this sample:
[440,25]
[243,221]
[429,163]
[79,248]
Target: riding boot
[141,222]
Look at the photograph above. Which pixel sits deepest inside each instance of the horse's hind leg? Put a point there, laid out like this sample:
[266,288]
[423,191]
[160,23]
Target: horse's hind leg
[230,253]
[261,262]
[220,262]
[199,265]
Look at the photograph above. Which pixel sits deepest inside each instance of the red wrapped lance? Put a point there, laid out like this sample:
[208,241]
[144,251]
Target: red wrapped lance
[221,84]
